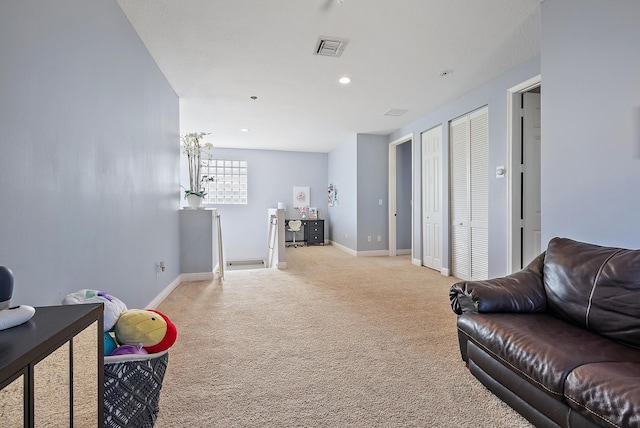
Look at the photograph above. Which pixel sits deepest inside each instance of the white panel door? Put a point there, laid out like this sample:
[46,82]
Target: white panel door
[432,198]
[469,155]
[531,207]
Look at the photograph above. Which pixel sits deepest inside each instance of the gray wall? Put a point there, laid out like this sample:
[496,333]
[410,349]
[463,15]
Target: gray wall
[372,185]
[342,167]
[591,121]
[493,94]
[198,241]
[89,156]
[271,177]
[359,168]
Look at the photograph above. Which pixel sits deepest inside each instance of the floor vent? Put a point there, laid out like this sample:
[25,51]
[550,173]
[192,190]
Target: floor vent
[245,264]
[330,46]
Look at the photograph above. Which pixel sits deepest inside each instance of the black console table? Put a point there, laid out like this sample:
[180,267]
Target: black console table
[313,230]
[38,361]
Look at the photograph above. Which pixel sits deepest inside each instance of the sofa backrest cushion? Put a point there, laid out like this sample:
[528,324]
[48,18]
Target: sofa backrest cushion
[595,287]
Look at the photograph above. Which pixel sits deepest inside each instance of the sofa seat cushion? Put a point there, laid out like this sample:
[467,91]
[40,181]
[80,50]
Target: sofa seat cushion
[540,348]
[606,393]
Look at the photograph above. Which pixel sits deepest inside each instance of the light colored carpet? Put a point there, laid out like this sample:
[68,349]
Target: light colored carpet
[333,341]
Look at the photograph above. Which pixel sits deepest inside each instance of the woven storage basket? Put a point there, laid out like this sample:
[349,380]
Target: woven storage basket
[132,386]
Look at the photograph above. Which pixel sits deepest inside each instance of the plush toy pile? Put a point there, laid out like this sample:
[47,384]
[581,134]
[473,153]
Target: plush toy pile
[128,331]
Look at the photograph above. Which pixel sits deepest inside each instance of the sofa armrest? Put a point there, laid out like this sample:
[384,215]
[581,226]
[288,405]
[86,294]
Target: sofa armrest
[522,291]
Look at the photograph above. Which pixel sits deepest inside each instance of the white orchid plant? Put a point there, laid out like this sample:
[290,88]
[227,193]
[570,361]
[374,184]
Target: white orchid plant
[193,147]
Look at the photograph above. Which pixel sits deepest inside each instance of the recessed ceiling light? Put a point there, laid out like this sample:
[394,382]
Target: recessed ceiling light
[344,80]
[446,73]
[244,129]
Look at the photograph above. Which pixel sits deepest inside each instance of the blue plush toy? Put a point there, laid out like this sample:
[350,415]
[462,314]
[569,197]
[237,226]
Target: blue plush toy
[109,343]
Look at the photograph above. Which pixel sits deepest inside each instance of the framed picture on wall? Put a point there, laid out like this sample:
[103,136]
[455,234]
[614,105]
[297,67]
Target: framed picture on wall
[301,197]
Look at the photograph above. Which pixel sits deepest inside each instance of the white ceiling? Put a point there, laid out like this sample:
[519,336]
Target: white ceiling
[218,53]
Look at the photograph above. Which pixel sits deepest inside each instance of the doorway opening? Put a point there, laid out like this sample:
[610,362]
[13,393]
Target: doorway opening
[524,173]
[401,196]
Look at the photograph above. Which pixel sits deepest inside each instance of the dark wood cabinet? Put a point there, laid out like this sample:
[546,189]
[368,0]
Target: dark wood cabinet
[314,231]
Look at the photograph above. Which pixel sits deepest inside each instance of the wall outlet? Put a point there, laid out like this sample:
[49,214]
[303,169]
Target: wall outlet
[379,201]
[379,238]
[160,267]
[369,238]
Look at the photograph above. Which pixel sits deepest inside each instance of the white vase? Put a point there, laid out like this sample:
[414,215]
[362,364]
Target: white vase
[194,201]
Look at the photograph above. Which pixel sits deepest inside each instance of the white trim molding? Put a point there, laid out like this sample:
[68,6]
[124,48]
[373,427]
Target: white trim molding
[373,253]
[343,248]
[164,293]
[513,134]
[202,276]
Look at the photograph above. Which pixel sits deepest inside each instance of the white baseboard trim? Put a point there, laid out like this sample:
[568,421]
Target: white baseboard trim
[343,248]
[403,252]
[164,293]
[183,277]
[373,253]
[416,262]
[282,265]
[202,276]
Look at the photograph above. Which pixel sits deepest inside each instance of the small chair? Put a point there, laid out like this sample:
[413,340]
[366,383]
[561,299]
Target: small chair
[294,227]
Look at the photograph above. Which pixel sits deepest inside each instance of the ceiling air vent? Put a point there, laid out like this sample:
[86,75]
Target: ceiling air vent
[330,46]
[395,112]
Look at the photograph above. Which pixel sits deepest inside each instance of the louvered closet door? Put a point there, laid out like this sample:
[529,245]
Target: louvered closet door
[479,224]
[469,153]
[460,237]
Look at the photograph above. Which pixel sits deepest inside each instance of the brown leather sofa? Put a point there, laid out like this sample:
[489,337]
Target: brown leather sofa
[558,341]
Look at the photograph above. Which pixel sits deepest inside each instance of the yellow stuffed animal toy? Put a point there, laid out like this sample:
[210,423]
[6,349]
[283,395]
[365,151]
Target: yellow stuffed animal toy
[151,328]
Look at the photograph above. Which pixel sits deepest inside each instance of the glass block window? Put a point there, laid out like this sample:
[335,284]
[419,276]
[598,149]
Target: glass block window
[225,181]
